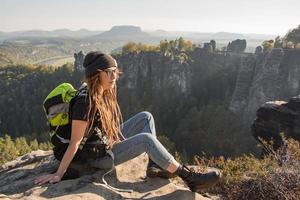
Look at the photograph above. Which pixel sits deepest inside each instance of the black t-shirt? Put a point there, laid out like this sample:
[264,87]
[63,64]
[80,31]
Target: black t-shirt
[79,108]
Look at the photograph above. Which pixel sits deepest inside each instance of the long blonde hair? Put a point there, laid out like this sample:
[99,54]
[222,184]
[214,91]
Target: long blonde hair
[105,103]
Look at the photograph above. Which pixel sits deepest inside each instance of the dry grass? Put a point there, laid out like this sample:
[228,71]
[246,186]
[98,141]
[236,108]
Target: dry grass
[275,177]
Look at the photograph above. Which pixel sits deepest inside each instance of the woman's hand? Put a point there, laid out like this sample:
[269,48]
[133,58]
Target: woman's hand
[51,178]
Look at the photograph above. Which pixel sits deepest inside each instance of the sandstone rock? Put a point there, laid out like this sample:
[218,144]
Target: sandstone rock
[239,100]
[275,118]
[79,58]
[237,46]
[265,77]
[213,44]
[17,181]
[142,72]
[207,46]
[258,50]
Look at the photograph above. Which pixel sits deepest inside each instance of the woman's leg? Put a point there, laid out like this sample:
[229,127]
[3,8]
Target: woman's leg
[142,122]
[133,147]
[145,142]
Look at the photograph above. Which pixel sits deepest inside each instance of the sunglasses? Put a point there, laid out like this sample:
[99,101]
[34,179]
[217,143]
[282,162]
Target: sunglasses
[111,72]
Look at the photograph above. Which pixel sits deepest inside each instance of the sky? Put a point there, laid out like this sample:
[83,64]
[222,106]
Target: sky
[274,17]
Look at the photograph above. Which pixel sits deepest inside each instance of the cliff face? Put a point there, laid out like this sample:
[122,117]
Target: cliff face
[156,71]
[239,99]
[258,77]
[265,85]
[265,77]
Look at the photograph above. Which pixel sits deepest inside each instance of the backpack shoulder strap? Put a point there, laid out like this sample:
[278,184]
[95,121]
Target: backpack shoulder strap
[82,92]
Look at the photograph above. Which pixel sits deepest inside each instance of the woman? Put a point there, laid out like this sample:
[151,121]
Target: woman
[98,116]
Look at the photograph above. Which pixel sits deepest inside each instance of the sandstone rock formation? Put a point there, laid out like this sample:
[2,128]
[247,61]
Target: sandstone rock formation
[237,46]
[142,71]
[266,77]
[258,50]
[275,118]
[207,46]
[78,63]
[239,100]
[17,181]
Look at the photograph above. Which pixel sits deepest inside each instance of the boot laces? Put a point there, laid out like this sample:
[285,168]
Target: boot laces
[191,172]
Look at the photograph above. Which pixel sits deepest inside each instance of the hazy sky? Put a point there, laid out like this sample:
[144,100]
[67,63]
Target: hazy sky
[240,16]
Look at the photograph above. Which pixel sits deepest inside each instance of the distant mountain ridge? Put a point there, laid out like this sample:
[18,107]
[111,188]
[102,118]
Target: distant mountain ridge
[207,35]
[124,31]
[42,33]
[130,31]
[35,45]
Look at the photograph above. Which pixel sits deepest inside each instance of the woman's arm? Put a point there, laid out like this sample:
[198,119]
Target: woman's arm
[77,133]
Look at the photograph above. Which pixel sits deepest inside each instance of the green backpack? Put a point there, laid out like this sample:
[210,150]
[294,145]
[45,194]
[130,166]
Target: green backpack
[56,106]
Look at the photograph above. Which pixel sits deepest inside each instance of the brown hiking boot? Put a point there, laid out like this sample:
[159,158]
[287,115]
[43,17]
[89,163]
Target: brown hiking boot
[196,180]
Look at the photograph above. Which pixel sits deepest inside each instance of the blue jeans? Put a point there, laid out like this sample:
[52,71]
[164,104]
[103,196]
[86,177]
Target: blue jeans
[139,136]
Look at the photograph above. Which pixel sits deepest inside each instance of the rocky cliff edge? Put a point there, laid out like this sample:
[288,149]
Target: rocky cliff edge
[17,182]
